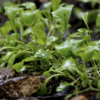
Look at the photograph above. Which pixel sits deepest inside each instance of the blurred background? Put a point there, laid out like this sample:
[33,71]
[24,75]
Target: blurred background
[80,6]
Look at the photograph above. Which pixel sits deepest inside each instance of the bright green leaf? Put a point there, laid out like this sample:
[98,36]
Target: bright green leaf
[28,31]
[62,86]
[62,15]
[86,31]
[87,51]
[66,48]
[85,18]
[29,59]
[5,29]
[40,37]
[19,67]
[44,54]
[55,4]
[77,34]
[78,12]
[29,17]
[51,39]
[70,65]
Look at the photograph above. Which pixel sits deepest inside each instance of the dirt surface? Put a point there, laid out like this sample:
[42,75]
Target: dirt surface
[23,86]
[6,73]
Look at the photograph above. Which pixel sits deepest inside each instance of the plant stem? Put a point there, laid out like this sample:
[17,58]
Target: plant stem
[49,33]
[68,32]
[21,26]
[93,64]
[21,30]
[54,22]
[14,28]
[70,76]
[83,62]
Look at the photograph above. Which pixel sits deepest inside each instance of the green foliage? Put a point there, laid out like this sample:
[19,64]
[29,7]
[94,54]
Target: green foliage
[85,18]
[94,1]
[55,4]
[30,48]
[8,28]
[68,47]
[97,21]
[62,15]
[28,17]
[46,55]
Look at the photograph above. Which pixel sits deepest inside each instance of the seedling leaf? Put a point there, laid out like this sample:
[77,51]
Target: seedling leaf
[55,4]
[62,15]
[85,18]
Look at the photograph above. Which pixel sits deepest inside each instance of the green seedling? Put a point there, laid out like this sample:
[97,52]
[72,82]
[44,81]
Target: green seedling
[25,45]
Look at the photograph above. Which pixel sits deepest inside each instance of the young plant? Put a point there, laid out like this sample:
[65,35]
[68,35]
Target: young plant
[28,47]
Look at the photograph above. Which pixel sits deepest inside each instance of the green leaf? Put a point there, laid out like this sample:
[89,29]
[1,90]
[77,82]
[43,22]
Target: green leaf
[29,59]
[84,79]
[18,54]
[5,29]
[78,12]
[68,47]
[43,54]
[94,1]
[17,23]
[62,15]
[98,85]
[85,18]
[47,10]
[11,60]
[28,31]
[97,42]
[77,34]
[32,45]
[51,39]
[46,22]
[38,26]
[40,37]
[29,17]
[19,66]
[10,40]
[86,31]
[62,86]
[46,73]
[11,11]
[29,5]
[70,65]
[7,48]
[5,58]
[87,51]
[55,4]
[47,5]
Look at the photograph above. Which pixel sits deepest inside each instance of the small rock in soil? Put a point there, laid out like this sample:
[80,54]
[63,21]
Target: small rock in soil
[79,98]
[6,73]
[21,86]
